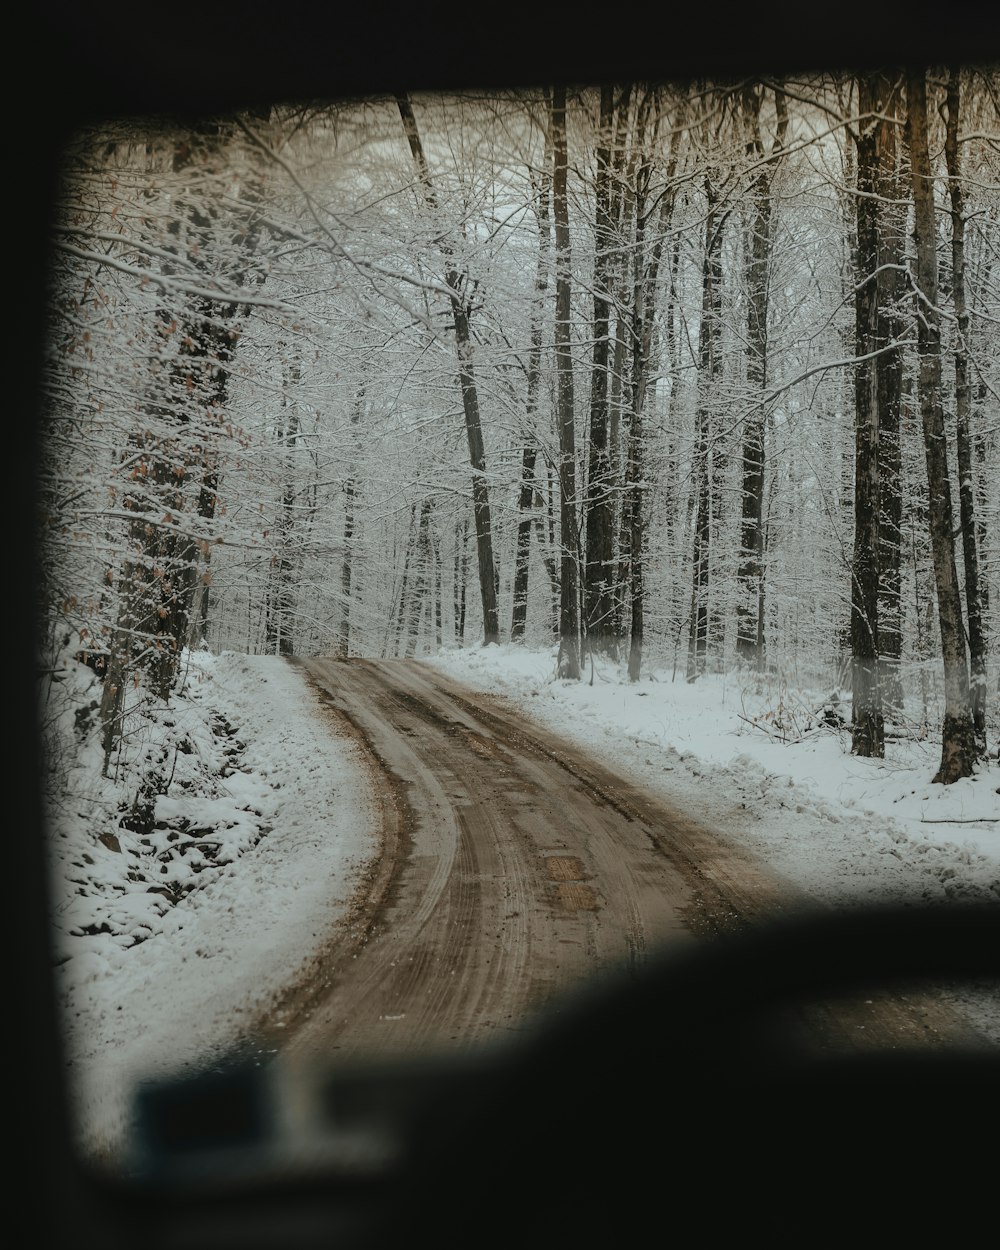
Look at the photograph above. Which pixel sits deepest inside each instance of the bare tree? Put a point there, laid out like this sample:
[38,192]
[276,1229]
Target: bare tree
[958,737]
[963,416]
[569,612]
[868,722]
[456,280]
[529,455]
[599,567]
[750,640]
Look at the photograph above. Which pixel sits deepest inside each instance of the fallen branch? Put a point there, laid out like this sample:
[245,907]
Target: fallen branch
[775,737]
[970,820]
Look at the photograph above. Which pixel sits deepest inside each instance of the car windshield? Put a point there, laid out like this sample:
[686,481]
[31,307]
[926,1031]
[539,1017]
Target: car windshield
[490,537]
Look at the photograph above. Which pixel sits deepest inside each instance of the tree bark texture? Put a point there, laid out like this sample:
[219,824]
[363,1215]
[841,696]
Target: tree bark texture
[890,325]
[709,372]
[342,648]
[750,639]
[958,738]
[598,567]
[519,609]
[569,612]
[867,721]
[963,420]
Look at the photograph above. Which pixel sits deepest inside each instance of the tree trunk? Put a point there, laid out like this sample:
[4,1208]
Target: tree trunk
[438,610]
[750,641]
[751,570]
[405,594]
[279,638]
[547,547]
[569,619]
[201,598]
[646,272]
[868,729]
[422,581]
[342,647]
[709,370]
[522,553]
[519,609]
[598,567]
[963,419]
[958,737]
[890,327]
[457,282]
[461,578]
[636,516]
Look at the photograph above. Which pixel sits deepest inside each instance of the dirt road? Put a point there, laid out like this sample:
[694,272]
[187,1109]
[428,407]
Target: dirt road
[513,867]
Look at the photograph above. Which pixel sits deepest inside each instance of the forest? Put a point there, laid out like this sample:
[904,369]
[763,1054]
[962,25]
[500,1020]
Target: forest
[704,374]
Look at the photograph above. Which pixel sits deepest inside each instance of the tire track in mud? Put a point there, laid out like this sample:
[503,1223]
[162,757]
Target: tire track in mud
[515,867]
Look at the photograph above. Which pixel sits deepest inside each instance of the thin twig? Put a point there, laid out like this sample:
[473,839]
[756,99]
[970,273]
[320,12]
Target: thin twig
[970,820]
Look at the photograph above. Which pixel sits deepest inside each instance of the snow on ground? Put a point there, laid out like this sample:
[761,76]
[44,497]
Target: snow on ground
[174,984]
[758,765]
[173,937]
[752,759]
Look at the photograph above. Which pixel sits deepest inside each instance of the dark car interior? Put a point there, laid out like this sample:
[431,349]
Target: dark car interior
[679,1102]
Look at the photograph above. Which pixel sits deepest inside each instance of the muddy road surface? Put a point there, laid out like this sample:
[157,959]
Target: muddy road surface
[515,868]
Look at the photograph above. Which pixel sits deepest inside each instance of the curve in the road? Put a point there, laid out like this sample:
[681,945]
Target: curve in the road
[515,867]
